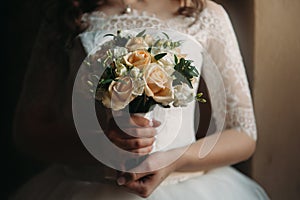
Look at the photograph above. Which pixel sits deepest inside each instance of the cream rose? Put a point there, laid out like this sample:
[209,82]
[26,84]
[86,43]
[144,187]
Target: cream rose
[136,43]
[183,95]
[119,93]
[139,59]
[149,40]
[158,84]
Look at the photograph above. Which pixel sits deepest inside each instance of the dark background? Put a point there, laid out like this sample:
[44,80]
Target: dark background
[20,22]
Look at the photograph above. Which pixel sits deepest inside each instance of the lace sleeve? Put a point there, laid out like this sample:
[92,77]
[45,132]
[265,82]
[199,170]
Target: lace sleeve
[222,47]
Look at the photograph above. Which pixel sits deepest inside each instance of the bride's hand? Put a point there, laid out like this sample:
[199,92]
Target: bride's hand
[151,176]
[134,134]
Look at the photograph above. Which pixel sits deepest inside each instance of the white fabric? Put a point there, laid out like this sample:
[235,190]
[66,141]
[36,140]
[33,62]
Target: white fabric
[223,183]
[214,31]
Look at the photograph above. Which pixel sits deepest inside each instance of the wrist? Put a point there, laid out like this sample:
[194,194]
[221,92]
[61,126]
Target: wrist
[181,161]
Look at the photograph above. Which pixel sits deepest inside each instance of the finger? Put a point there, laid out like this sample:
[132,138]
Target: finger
[130,121]
[136,143]
[141,132]
[121,122]
[156,123]
[139,121]
[117,135]
[143,151]
[130,133]
[131,178]
[135,187]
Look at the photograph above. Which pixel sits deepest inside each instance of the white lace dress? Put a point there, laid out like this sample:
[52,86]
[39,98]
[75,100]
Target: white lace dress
[214,31]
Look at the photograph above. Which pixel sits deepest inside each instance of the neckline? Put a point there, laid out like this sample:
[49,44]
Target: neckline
[136,13]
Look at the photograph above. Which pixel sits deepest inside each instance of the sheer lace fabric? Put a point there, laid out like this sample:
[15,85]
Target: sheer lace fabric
[215,32]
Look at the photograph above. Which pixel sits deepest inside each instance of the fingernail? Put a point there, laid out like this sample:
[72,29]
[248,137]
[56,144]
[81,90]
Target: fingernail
[121,181]
[151,123]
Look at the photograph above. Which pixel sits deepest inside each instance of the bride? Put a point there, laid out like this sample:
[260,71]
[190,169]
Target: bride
[44,126]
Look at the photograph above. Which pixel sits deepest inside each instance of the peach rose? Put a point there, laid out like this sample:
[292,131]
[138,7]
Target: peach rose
[119,93]
[138,58]
[158,84]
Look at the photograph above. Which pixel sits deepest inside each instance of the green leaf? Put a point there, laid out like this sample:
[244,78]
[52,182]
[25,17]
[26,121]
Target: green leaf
[189,83]
[104,82]
[140,34]
[202,100]
[182,62]
[185,72]
[199,97]
[109,34]
[160,56]
[156,43]
[167,36]
[142,104]
[176,59]
[149,49]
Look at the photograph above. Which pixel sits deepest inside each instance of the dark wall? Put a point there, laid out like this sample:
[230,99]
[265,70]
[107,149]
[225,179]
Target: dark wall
[19,26]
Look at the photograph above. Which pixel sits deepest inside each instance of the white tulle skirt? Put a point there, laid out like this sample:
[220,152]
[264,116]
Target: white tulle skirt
[222,183]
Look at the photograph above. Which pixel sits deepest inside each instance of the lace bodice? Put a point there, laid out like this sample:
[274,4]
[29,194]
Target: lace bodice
[215,32]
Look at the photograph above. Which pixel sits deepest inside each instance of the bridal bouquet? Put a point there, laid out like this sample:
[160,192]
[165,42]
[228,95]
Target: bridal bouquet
[143,70]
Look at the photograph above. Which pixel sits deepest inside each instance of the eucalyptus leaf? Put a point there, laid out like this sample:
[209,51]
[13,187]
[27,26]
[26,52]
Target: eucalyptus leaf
[160,56]
[199,95]
[156,43]
[176,59]
[167,36]
[202,100]
[140,34]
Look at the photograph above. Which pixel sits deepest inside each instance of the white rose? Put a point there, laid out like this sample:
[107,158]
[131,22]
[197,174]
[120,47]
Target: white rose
[183,95]
[168,59]
[149,40]
[120,51]
[120,93]
[136,43]
[168,63]
[138,86]
[135,73]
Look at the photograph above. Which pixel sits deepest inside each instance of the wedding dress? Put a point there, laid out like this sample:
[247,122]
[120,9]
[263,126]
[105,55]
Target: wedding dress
[215,33]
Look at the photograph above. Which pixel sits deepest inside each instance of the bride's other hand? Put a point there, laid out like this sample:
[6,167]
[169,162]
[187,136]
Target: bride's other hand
[143,184]
[132,133]
[146,177]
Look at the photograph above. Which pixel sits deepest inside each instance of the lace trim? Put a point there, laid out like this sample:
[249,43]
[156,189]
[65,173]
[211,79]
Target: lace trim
[242,120]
